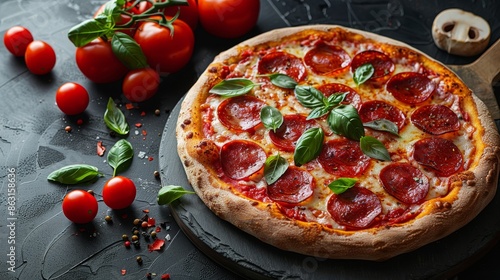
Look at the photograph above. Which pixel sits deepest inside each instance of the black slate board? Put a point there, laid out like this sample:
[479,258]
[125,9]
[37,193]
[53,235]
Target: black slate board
[251,258]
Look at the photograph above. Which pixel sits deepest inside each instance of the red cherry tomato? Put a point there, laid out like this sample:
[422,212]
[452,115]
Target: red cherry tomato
[17,39]
[98,63]
[72,98]
[140,84]
[40,57]
[165,52]
[188,14]
[119,192]
[79,206]
[228,18]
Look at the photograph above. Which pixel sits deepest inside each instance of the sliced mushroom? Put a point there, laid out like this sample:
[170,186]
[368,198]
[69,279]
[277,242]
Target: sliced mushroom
[460,32]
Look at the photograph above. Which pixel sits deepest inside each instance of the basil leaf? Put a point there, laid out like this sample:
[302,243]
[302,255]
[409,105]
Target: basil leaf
[274,167]
[337,98]
[308,146]
[383,125]
[74,174]
[271,117]
[344,120]
[282,80]
[373,148]
[319,112]
[363,73]
[112,10]
[114,119]
[341,185]
[233,87]
[310,97]
[126,49]
[86,31]
[120,156]
[168,194]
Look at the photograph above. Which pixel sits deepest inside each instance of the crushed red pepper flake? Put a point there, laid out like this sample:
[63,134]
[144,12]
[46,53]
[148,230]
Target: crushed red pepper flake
[145,210]
[150,158]
[144,132]
[151,222]
[138,125]
[165,276]
[143,114]
[157,245]
[100,148]
[124,271]
[129,106]
[79,122]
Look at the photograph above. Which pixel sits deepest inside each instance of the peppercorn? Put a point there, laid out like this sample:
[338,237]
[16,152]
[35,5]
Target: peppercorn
[136,222]
[68,129]
[135,237]
[139,259]
[136,232]
[157,112]
[156,174]
[153,234]
[127,244]
[125,237]
[144,224]
[108,219]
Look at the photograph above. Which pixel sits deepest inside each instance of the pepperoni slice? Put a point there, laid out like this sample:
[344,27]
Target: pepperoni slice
[376,110]
[289,132]
[284,63]
[357,207]
[411,87]
[343,157]
[405,182]
[294,186]
[326,59]
[435,119]
[440,154]
[241,113]
[382,64]
[352,96]
[240,159]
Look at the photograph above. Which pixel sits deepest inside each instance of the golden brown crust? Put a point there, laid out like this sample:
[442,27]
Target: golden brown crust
[470,193]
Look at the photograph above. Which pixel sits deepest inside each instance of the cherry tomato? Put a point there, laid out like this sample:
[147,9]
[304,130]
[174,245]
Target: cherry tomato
[79,206]
[166,52]
[40,57]
[72,98]
[140,84]
[98,63]
[17,39]
[228,18]
[119,192]
[188,14]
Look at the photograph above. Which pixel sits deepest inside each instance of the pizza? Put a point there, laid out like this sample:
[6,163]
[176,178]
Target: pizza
[337,143]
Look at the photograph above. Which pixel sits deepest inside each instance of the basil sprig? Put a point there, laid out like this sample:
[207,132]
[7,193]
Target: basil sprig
[271,117]
[383,125]
[74,174]
[274,167]
[233,87]
[308,146]
[120,156]
[373,148]
[170,193]
[341,185]
[128,51]
[114,119]
[363,73]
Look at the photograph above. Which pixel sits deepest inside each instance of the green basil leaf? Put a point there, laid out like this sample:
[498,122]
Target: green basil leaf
[318,112]
[114,119]
[112,10]
[271,117]
[126,49]
[282,80]
[86,31]
[363,73]
[120,156]
[310,97]
[74,174]
[233,87]
[337,98]
[168,194]
[383,125]
[274,167]
[308,146]
[345,121]
[341,185]
[373,148]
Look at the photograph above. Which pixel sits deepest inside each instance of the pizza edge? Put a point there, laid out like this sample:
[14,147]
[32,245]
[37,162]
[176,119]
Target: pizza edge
[439,218]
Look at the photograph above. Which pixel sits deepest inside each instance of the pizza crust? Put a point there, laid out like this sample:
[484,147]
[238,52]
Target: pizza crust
[439,217]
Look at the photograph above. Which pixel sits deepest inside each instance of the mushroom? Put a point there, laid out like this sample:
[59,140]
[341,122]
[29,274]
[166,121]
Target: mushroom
[460,32]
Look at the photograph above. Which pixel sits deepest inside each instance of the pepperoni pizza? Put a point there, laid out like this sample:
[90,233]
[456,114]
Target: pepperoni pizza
[337,143]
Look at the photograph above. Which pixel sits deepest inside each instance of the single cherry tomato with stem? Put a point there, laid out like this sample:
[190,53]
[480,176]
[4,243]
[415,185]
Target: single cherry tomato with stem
[119,192]
[228,18]
[17,39]
[40,57]
[72,98]
[188,14]
[140,84]
[79,206]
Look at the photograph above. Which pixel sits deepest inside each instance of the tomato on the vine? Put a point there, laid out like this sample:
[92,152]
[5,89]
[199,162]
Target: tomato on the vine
[125,18]
[79,206]
[166,51]
[17,39]
[228,18]
[72,98]
[98,63]
[140,84]
[40,57]
[119,192]
[188,14]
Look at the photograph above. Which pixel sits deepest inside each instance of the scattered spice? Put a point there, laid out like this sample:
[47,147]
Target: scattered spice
[167,237]
[138,125]
[156,174]
[129,106]
[127,244]
[124,271]
[157,112]
[150,158]
[151,222]
[157,245]
[79,122]
[108,219]
[144,132]
[139,259]
[165,276]
[145,211]
[136,222]
[125,237]
[143,114]
[144,224]
[68,129]
[100,148]
[135,237]
[153,234]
